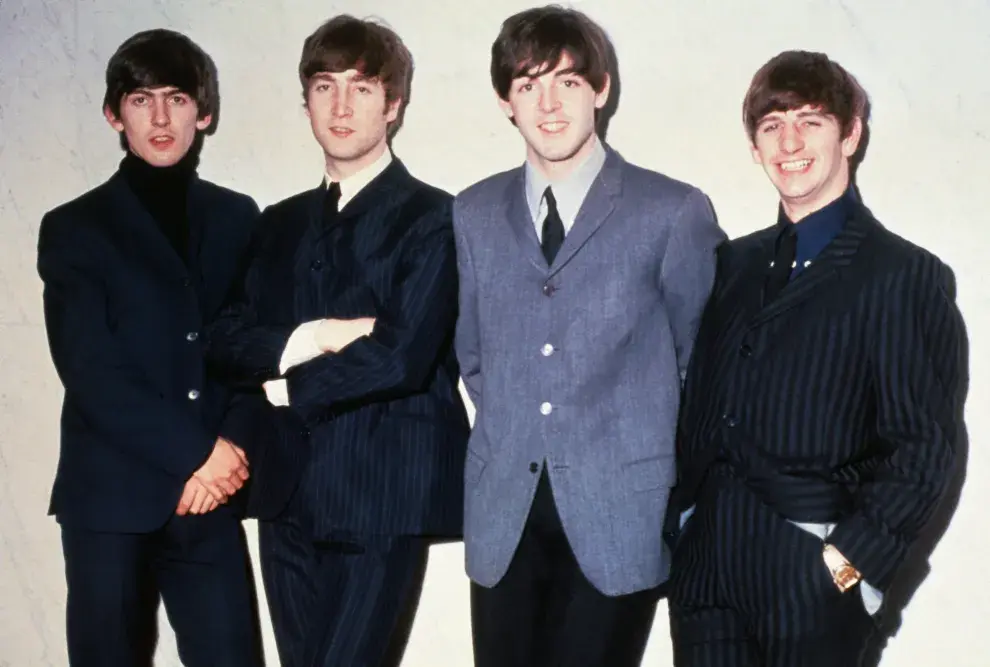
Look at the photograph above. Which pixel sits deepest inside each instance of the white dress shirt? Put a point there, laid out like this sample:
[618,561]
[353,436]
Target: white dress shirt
[569,191]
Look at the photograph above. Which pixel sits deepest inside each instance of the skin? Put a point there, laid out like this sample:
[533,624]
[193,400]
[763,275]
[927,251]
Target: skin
[159,123]
[805,156]
[555,113]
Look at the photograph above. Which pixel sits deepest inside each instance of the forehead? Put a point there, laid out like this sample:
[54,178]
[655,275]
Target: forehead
[805,111]
[349,75]
[565,65]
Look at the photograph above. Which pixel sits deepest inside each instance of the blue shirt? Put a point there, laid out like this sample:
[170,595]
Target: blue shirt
[817,230]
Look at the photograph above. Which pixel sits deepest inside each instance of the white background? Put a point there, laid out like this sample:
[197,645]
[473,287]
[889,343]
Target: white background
[684,64]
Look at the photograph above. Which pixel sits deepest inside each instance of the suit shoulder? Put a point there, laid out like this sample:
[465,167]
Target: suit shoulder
[653,184]
[226,196]
[487,191]
[291,204]
[429,196]
[893,255]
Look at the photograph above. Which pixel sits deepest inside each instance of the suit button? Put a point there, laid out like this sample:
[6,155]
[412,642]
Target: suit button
[548,289]
[186,282]
[315,266]
[546,408]
[193,394]
[534,467]
[745,351]
[730,421]
[192,336]
[546,350]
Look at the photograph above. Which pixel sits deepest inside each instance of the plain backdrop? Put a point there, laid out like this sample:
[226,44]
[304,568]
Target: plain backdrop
[684,67]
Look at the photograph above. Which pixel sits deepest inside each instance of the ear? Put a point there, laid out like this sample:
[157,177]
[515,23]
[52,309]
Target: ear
[851,143]
[204,122]
[755,152]
[392,111]
[115,122]
[505,106]
[602,97]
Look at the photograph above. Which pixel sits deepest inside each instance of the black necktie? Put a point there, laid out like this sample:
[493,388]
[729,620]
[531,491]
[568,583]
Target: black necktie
[331,202]
[783,261]
[553,228]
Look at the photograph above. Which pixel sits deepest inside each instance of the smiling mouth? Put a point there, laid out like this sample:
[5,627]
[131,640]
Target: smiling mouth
[554,127]
[342,131]
[795,165]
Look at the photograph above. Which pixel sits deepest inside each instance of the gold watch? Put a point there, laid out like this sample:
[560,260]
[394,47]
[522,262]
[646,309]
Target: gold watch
[843,573]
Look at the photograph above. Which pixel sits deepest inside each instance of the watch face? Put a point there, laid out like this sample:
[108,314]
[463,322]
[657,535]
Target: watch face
[846,577]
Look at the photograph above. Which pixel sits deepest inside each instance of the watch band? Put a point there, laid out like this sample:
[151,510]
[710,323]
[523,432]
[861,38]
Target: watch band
[843,573]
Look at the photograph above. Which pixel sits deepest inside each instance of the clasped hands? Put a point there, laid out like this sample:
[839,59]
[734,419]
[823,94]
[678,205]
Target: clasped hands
[332,335]
[223,474]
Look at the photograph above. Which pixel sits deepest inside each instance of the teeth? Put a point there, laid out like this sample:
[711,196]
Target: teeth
[553,127]
[795,166]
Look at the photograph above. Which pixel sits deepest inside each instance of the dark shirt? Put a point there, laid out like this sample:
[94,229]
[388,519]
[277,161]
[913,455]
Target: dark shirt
[817,230]
[164,193]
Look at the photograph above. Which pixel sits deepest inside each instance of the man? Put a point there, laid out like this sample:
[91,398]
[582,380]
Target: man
[132,270]
[822,403]
[583,279]
[347,317]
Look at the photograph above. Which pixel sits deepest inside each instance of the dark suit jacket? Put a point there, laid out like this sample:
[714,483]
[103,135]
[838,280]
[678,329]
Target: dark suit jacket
[839,401]
[124,317]
[388,427]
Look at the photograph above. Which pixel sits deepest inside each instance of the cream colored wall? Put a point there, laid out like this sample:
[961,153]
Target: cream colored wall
[684,67]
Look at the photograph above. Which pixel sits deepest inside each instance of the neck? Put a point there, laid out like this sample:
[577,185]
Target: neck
[556,170]
[797,210]
[340,170]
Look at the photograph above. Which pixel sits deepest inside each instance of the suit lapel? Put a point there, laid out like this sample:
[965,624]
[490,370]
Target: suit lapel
[825,270]
[521,220]
[141,230]
[597,206]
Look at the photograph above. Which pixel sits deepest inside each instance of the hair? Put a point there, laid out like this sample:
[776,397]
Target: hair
[375,50]
[533,41]
[156,58]
[794,79]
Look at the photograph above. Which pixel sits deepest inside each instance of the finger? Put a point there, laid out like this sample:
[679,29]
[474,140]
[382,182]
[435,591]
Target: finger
[202,501]
[229,488]
[240,454]
[185,502]
[214,490]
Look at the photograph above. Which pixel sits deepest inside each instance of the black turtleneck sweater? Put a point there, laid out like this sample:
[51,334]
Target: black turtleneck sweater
[164,193]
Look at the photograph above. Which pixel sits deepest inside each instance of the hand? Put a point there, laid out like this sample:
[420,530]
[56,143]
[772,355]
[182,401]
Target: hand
[196,499]
[333,335]
[225,471]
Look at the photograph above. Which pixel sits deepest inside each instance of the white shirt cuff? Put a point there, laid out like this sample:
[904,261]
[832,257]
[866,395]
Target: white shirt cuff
[301,347]
[277,392]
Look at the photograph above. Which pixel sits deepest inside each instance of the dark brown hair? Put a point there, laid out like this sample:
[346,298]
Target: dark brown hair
[794,79]
[536,39]
[345,42]
[157,58]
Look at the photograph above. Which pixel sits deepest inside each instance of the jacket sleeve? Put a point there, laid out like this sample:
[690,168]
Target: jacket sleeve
[411,330]
[688,271]
[467,341]
[114,396]
[919,366]
[240,349]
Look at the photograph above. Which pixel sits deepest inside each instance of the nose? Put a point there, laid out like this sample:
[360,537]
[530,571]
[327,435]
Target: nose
[159,113]
[791,140]
[549,102]
[340,104]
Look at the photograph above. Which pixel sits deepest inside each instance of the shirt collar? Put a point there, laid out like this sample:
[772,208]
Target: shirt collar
[569,191]
[353,184]
[817,230]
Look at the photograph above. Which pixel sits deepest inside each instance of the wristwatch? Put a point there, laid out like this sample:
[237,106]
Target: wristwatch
[843,573]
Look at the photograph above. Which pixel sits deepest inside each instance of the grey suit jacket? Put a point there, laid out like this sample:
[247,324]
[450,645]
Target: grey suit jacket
[579,364]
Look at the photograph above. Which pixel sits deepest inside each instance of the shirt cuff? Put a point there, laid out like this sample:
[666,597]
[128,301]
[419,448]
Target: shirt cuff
[277,392]
[301,347]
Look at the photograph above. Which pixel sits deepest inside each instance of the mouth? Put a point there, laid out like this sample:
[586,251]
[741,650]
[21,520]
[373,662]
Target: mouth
[795,166]
[553,126]
[341,131]
[162,141]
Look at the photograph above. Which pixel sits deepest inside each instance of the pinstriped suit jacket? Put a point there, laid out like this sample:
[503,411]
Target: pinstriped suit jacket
[853,378]
[618,308]
[387,426]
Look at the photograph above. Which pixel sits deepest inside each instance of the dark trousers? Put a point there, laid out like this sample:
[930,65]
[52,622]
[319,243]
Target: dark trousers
[545,613]
[721,637]
[345,602]
[196,564]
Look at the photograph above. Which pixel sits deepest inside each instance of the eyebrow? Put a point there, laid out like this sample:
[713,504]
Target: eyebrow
[355,78]
[171,90]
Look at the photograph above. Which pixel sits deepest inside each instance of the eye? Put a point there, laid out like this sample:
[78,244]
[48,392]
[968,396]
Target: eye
[767,128]
[571,83]
[178,100]
[139,100]
[364,90]
[813,123]
[321,87]
[525,88]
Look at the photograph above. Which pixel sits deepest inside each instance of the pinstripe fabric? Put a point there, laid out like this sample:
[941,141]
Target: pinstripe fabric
[340,603]
[841,401]
[388,429]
